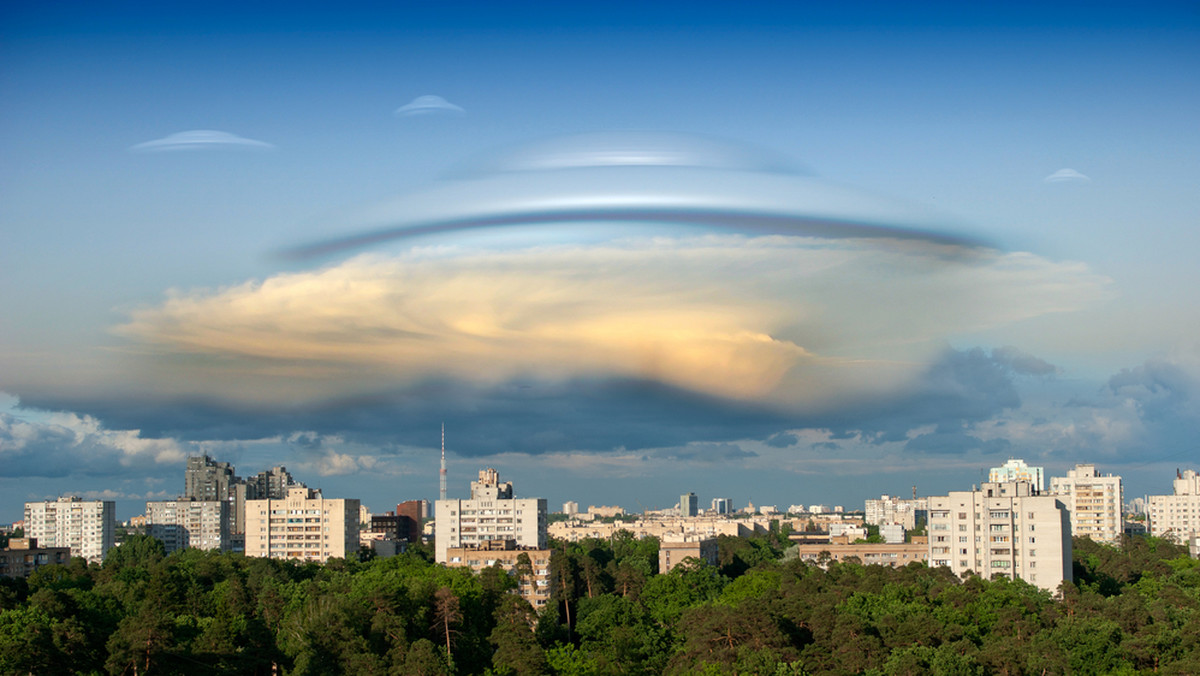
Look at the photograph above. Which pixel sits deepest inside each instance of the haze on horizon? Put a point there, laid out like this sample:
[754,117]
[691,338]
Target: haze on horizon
[788,256]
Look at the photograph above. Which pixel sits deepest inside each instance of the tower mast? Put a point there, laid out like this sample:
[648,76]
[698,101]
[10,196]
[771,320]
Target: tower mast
[442,474]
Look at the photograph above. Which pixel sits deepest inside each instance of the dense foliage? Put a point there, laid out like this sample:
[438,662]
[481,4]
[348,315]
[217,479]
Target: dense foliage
[1134,609]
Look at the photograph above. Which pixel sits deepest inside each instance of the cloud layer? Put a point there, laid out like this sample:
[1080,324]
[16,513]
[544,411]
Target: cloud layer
[801,321]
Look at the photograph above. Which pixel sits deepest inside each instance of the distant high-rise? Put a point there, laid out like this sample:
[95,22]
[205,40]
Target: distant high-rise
[207,479]
[722,506]
[1016,470]
[689,505]
[272,484]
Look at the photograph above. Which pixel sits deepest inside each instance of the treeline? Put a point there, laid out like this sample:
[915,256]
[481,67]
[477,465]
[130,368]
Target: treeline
[1133,609]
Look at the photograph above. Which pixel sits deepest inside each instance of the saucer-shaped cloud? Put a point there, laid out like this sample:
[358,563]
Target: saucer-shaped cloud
[642,182]
[429,104]
[1066,176]
[200,139]
[795,321]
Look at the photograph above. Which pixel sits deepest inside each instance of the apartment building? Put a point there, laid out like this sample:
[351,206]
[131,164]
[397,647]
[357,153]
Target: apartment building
[183,523]
[492,513]
[533,584]
[303,525]
[1177,516]
[1003,528]
[87,527]
[891,509]
[1094,501]
[1016,470]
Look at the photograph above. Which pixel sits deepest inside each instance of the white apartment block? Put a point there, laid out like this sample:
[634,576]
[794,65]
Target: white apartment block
[183,523]
[1177,516]
[302,526]
[891,509]
[1016,470]
[1002,528]
[492,513]
[1095,502]
[88,527]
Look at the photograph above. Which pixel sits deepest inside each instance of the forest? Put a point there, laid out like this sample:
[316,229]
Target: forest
[1133,609]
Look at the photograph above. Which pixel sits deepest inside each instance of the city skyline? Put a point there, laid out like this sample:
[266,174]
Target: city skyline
[824,253]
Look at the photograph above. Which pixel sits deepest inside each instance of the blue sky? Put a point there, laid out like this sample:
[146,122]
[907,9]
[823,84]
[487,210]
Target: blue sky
[147,315]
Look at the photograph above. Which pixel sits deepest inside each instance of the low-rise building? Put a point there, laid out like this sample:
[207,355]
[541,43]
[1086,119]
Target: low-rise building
[23,556]
[671,553]
[869,554]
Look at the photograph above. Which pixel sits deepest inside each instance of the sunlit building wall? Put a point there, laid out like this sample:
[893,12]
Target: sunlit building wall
[1002,529]
[1094,501]
[1177,516]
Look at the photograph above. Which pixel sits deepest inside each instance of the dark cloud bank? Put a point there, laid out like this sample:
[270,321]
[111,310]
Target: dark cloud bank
[960,388]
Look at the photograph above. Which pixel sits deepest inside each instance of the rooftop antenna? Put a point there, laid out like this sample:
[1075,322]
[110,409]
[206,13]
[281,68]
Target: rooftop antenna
[442,473]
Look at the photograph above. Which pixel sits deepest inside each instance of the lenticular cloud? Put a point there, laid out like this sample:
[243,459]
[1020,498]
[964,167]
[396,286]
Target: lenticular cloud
[200,139]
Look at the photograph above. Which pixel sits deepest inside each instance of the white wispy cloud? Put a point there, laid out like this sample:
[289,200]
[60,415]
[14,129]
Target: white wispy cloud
[429,104]
[200,139]
[1066,176]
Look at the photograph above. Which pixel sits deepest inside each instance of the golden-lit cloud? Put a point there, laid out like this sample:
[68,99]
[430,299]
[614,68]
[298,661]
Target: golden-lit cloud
[794,319]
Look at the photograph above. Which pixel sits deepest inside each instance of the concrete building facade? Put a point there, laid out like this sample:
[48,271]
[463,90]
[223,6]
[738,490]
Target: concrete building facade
[1177,516]
[534,583]
[1094,501]
[891,509]
[869,554]
[207,479]
[492,513]
[671,553]
[1016,470]
[303,526]
[183,523]
[1003,528]
[87,527]
[24,555]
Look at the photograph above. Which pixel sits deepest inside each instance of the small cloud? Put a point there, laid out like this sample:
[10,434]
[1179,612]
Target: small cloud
[199,139]
[429,105]
[1066,176]
[782,440]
